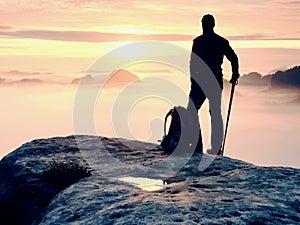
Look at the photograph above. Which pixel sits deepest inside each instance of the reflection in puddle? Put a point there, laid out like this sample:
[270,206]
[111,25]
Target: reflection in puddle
[143,183]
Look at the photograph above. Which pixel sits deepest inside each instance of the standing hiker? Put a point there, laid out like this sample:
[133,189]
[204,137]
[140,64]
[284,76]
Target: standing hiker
[211,48]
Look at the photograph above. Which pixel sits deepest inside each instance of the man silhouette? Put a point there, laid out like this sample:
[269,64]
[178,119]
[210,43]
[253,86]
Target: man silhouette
[211,48]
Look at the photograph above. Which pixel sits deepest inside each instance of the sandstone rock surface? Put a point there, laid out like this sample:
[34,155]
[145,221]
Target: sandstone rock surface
[228,191]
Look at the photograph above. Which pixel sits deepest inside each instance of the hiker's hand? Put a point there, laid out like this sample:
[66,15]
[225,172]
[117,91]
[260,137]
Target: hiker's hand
[234,78]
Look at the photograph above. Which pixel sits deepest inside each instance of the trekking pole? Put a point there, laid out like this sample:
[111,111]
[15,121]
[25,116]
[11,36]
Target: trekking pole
[228,116]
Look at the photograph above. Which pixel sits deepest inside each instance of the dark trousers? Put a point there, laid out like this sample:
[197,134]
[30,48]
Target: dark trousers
[196,100]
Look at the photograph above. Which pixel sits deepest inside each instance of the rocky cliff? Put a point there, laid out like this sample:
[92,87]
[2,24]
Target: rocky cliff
[48,181]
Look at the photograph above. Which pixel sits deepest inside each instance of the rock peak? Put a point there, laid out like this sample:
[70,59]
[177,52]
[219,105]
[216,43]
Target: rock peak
[228,191]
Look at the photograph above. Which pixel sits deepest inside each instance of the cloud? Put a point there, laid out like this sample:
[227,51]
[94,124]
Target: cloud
[91,36]
[94,36]
[12,77]
[270,16]
[96,72]
[281,68]
[139,71]
[25,81]
[160,71]
[29,81]
[17,73]
[249,37]
[5,27]
[12,47]
[260,37]
[292,3]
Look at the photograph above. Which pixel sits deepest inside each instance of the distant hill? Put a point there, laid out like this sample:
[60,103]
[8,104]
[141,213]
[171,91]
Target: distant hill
[255,78]
[288,78]
[117,78]
[279,79]
[87,79]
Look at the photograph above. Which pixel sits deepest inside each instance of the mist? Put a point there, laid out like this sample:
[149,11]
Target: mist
[263,129]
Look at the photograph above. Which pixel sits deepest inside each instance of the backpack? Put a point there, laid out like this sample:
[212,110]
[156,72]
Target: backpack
[180,121]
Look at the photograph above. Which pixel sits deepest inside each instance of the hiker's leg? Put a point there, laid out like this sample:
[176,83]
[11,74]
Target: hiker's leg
[196,97]
[196,100]
[217,129]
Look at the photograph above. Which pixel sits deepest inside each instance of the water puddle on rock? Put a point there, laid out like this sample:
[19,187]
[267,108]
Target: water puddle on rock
[143,183]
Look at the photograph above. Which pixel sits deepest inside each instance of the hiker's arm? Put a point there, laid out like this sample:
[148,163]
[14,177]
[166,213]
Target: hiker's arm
[232,57]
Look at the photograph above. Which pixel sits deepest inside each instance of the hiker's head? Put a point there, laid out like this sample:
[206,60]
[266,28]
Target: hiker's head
[208,23]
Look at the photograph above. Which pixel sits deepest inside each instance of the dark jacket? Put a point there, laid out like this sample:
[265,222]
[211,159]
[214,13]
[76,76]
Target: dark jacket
[211,48]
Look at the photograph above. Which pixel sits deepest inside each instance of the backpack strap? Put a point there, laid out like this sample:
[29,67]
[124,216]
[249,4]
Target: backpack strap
[170,113]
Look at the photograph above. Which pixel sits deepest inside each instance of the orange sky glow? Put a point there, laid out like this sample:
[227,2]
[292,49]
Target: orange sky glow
[49,31]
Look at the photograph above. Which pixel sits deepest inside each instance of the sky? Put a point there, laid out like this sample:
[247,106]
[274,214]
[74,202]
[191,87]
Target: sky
[44,45]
